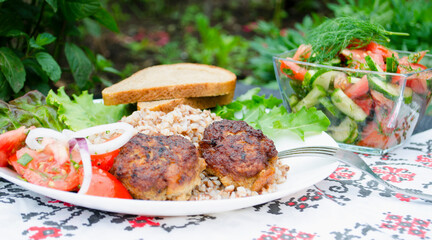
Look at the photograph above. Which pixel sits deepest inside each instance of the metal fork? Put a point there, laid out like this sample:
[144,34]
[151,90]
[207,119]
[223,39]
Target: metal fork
[350,159]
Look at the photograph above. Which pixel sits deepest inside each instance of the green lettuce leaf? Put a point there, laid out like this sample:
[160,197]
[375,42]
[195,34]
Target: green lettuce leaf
[29,110]
[273,119]
[81,112]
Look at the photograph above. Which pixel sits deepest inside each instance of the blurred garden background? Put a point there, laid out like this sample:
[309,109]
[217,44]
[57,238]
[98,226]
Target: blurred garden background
[91,44]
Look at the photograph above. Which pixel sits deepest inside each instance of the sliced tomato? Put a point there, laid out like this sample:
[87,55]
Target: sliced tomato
[358,89]
[104,184]
[355,58]
[10,142]
[380,100]
[372,137]
[365,103]
[105,160]
[380,50]
[292,70]
[52,167]
[303,52]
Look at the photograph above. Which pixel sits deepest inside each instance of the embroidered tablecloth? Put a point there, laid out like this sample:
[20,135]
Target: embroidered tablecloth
[346,205]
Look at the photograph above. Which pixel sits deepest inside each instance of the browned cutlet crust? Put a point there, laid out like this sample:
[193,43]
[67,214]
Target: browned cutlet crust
[159,167]
[239,154]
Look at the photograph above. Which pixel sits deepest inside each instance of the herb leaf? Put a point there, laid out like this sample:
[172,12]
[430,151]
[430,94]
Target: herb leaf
[25,159]
[333,35]
[274,120]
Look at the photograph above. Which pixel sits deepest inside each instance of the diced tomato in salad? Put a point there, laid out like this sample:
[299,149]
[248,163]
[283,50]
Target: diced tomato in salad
[369,99]
[56,166]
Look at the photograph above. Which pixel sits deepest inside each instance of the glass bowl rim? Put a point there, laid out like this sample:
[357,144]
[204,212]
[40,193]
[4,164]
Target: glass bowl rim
[406,75]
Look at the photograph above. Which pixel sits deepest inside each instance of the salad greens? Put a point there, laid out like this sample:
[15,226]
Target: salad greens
[273,119]
[81,112]
[28,110]
[333,35]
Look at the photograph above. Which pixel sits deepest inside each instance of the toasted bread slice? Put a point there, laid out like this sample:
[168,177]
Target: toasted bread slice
[161,82]
[196,102]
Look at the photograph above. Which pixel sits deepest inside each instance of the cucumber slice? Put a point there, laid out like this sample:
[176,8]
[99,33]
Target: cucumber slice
[373,66]
[353,80]
[347,106]
[345,132]
[324,77]
[311,98]
[308,76]
[293,100]
[389,90]
[330,107]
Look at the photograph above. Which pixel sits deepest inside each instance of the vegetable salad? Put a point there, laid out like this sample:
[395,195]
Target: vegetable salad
[372,95]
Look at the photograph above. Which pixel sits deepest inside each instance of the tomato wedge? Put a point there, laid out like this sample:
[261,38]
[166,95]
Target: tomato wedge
[104,184]
[380,50]
[105,160]
[52,167]
[358,89]
[372,137]
[10,142]
[365,103]
[292,70]
[303,52]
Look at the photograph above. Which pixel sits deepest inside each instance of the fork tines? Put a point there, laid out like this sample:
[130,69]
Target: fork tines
[317,150]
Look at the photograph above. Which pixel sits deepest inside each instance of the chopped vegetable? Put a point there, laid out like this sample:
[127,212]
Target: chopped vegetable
[267,114]
[81,112]
[29,110]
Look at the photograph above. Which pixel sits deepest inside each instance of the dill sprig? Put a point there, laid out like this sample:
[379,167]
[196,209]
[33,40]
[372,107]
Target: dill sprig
[333,35]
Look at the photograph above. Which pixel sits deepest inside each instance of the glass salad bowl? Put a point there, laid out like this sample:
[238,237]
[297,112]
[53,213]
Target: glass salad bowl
[371,111]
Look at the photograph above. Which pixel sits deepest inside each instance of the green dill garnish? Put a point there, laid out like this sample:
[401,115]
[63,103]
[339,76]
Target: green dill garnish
[25,159]
[333,35]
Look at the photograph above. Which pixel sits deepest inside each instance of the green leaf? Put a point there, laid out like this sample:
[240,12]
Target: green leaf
[12,69]
[44,39]
[49,65]
[4,88]
[28,110]
[265,113]
[25,159]
[104,18]
[32,67]
[81,112]
[79,63]
[75,10]
[53,4]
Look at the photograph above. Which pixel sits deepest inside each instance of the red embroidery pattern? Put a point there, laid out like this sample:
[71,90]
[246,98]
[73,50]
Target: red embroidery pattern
[405,198]
[44,232]
[142,221]
[278,233]
[342,173]
[407,224]
[64,203]
[393,174]
[426,160]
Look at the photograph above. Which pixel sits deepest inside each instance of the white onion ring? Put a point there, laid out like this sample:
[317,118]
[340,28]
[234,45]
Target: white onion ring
[35,134]
[109,146]
[86,161]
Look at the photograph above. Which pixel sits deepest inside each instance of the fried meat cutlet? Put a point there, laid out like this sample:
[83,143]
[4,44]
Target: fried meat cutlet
[239,154]
[159,167]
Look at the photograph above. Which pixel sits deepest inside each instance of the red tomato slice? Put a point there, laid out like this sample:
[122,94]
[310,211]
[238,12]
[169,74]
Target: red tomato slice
[365,103]
[303,52]
[104,184]
[297,72]
[380,100]
[380,50]
[10,142]
[50,167]
[358,89]
[355,58]
[372,137]
[105,160]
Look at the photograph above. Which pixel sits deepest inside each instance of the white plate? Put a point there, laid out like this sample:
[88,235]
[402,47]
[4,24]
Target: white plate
[303,173]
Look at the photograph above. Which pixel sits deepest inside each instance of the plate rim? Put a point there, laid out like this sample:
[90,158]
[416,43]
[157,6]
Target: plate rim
[176,208]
